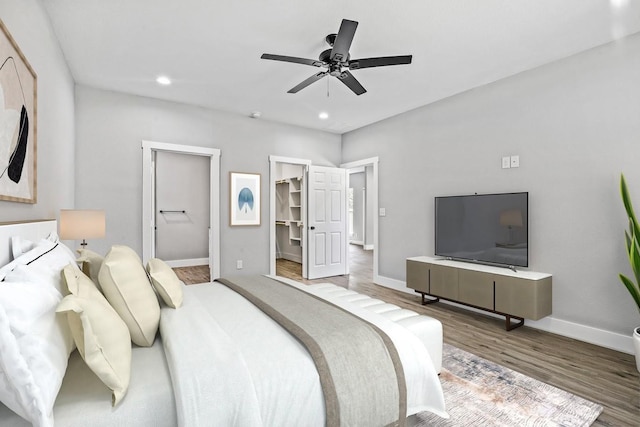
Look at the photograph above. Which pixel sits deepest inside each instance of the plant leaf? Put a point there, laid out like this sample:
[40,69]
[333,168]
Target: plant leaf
[628,206]
[627,239]
[634,259]
[631,287]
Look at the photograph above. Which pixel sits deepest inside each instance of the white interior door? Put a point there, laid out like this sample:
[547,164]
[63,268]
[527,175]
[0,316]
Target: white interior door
[327,223]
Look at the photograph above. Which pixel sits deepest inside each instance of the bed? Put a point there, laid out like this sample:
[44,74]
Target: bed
[218,359]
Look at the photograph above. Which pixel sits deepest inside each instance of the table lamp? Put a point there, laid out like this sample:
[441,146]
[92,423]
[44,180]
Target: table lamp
[76,224]
[511,218]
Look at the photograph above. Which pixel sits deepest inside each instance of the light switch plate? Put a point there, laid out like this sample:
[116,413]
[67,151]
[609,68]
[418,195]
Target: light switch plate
[515,161]
[506,162]
[383,212]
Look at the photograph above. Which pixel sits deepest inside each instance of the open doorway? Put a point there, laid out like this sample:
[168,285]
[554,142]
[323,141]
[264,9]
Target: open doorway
[151,210]
[287,206]
[363,247]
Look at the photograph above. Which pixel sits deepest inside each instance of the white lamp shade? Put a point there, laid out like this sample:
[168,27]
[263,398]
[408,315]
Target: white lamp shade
[81,224]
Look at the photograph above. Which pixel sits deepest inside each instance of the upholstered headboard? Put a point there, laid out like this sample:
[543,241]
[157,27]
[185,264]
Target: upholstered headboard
[32,230]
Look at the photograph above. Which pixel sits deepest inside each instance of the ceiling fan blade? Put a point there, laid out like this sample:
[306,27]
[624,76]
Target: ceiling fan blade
[304,61]
[308,81]
[382,61]
[340,50]
[351,82]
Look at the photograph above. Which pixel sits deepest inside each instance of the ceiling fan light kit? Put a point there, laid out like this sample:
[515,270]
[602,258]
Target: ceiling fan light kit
[337,58]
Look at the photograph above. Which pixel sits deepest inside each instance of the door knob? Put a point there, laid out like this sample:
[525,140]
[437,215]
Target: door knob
[312,228]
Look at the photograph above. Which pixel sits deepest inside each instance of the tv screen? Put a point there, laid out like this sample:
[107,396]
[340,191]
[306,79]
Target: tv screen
[483,228]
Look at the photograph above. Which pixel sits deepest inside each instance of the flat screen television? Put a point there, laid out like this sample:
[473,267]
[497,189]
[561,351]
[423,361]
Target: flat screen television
[483,228]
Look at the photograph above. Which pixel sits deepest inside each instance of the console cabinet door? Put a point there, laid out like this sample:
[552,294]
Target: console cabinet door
[529,299]
[475,288]
[418,276]
[443,281]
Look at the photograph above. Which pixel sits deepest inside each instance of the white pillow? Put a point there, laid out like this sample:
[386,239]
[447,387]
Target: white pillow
[125,283]
[35,344]
[165,282]
[20,245]
[46,261]
[101,336]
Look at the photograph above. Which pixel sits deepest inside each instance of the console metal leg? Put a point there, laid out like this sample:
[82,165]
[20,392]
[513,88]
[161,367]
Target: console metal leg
[509,326]
[426,301]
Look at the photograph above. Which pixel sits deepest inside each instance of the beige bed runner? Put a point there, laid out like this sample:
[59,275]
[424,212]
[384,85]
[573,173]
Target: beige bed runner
[360,371]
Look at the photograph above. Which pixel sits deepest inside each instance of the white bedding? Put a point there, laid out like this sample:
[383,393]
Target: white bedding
[84,401]
[241,352]
[229,364]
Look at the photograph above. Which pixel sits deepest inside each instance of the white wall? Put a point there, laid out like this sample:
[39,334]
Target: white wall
[29,25]
[575,125]
[110,127]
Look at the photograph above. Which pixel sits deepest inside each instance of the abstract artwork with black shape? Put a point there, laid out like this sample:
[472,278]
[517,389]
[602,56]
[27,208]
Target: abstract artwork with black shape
[16,164]
[18,123]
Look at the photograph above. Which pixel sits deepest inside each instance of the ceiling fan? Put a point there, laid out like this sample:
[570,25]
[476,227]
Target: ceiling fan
[337,58]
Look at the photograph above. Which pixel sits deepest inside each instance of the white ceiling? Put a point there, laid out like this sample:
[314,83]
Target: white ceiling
[211,49]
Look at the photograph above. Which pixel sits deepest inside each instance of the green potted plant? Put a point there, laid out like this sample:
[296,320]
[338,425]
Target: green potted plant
[632,238]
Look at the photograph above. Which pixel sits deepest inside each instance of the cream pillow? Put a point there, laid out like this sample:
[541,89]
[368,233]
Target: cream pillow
[102,339]
[165,282]
[91,263]
[79,284]
[126,286]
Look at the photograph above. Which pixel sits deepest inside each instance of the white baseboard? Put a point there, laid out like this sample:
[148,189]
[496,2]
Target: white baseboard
[601,337]
[187,262]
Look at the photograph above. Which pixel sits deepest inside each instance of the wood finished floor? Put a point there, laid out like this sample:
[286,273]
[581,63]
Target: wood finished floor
[601,375]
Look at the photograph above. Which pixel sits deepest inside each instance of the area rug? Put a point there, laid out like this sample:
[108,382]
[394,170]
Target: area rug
[482,393]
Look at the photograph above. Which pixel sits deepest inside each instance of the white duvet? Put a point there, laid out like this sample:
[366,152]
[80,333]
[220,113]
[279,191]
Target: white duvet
[231,365]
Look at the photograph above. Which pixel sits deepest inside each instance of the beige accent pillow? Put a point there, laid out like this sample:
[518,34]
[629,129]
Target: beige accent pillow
[78,284]
[91,263]
[101,336]
[165,282]
[126,286]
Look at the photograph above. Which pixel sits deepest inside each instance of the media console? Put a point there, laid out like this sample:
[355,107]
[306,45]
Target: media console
[513,294]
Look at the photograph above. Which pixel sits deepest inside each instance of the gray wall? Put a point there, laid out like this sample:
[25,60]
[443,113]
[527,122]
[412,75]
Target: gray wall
[29,26]
[182,184]
[110,127]
[575,125]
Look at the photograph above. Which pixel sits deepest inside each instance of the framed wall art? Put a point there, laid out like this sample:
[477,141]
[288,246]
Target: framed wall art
[245,198]
[18,96]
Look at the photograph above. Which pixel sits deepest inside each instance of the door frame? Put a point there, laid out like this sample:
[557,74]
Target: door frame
[273,161]
[371,161]
[148,199]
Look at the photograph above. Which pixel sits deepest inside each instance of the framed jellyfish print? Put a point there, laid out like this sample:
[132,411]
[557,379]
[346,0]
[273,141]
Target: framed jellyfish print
[18,89]
[245,198]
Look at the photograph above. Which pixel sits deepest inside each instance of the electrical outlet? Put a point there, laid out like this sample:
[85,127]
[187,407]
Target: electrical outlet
[506,162]
[239,264]
[515,161]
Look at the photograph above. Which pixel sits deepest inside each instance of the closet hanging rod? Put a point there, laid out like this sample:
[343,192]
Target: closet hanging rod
[162,212]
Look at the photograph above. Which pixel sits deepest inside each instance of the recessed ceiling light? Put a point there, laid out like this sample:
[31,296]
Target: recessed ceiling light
[163,80]
[323,115]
